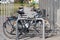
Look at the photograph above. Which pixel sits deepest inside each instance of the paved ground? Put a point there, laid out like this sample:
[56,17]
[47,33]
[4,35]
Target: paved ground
[3,37]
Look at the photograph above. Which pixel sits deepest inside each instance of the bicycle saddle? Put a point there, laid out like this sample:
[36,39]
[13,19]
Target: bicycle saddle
[20,12]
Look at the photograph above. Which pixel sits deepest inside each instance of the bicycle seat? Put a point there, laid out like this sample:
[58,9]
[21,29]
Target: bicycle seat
[20,12]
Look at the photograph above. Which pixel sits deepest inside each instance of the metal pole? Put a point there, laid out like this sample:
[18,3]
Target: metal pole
[42,19]
[43,26]
[9,7]
[1,12]
[4,11]
[53,16]
[43,29]
[17,30]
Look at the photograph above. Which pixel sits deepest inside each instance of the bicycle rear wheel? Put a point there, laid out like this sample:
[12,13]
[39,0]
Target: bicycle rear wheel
[9,29]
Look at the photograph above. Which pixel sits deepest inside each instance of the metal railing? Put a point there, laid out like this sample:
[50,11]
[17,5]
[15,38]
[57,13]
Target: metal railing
[17,38]
[7,9]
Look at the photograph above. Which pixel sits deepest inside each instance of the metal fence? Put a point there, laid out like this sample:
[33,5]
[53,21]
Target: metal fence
[6,10]
[52,7]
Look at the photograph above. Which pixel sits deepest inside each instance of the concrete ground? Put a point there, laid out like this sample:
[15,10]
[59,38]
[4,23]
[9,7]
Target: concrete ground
[3,37]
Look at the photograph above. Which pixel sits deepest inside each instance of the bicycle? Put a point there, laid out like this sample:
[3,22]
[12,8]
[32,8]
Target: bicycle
[9,26]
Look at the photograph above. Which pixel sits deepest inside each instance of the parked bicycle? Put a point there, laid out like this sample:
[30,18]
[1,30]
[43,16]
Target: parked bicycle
[9,26]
